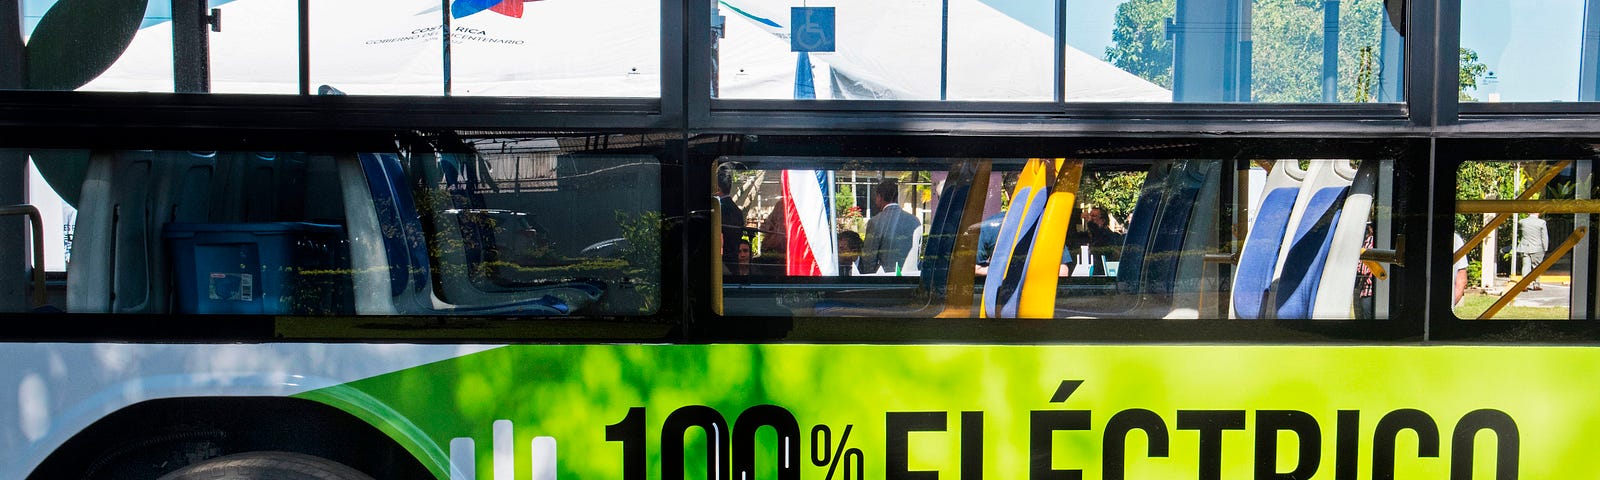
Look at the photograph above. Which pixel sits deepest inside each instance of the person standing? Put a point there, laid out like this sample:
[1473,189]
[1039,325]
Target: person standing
[890,232]
[1534,242]
[732,217]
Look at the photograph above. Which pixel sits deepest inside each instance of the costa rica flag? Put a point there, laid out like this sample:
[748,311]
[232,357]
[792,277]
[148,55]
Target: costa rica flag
[808,222]
[509,8]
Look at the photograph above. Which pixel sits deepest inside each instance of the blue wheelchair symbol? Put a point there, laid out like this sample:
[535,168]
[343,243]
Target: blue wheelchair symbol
[811,29]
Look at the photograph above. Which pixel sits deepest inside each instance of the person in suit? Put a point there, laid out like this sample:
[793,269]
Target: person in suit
[890,231]
[732,217]
[1534,242]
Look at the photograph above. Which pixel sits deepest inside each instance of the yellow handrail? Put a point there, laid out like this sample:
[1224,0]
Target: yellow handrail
[1528,206]
[1533,188]
[1560,251]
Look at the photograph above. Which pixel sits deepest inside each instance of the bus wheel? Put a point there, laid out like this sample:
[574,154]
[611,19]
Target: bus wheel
[267,466]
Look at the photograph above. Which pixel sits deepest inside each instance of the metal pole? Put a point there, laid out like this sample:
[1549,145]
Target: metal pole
[1060,75]
[13,165]
[1516,235]
[445,12]
[718,27]
[1582,255]
[1330,51]
[37,222]
[191,54]
[13,57]
[944,49]
[13,264]
[305,47]
[1588,64]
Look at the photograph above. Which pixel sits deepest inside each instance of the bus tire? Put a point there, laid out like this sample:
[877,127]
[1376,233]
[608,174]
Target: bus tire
[267,466]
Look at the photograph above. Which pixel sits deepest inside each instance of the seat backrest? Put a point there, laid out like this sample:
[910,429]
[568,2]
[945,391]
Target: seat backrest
[1258,258]
[1336,292]
[1194,281]
[1305,254]
[1008,263]
[1142,228]
[1166,247]
[1037,298]
[119,263]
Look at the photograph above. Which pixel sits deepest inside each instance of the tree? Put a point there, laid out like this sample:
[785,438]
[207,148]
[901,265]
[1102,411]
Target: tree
[1117,192]
[1139,40]
[1472,70]
[1286,52]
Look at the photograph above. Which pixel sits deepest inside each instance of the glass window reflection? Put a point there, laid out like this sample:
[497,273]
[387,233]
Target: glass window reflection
[1112,51]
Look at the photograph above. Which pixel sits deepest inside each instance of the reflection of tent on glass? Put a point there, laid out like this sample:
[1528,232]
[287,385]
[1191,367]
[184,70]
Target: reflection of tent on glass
[890,49]
[610,48]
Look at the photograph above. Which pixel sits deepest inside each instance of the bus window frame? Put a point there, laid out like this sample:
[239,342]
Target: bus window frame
[1445,325]
[1410,163]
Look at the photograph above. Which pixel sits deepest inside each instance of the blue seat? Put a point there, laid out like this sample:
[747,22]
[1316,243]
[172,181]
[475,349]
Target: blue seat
[1308,253]
[1252,283]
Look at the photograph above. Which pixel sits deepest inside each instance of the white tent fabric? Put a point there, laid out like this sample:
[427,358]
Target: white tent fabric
[611,48]
[890,48]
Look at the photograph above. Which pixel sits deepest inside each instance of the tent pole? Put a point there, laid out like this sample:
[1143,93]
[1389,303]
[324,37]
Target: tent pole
[445,13]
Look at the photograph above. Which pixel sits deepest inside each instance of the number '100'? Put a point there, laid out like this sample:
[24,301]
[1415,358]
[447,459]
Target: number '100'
[719,450]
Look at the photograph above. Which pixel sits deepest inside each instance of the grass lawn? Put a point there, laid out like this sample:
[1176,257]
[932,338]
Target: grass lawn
[1473,305]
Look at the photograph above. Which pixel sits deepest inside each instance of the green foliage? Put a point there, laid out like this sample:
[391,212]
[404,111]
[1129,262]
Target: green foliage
[643,254]
[1474,272]
[843,198]
[1472,70]
[1139,40]
[1117,192]
[1483,180]
[1287,49]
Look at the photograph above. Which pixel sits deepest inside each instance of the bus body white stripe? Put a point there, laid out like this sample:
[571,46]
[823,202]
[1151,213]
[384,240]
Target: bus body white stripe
[463,465]
[543,466]
[504,451]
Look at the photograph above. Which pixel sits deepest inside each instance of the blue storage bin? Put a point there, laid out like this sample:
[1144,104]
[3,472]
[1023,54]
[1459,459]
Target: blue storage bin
[259,268]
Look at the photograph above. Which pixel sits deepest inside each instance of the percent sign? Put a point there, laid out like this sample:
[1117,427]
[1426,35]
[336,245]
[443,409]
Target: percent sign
[823,452]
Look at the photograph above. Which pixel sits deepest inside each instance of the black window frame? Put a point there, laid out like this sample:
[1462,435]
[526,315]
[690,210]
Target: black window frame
[1435,127]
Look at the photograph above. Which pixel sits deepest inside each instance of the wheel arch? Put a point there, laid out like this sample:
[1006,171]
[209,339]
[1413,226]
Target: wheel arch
[149,438]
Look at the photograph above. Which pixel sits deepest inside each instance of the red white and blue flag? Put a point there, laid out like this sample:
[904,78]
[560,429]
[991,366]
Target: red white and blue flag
[808,215]
[509,8]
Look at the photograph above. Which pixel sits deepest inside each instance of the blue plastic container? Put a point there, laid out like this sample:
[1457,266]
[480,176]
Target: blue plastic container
[259,268]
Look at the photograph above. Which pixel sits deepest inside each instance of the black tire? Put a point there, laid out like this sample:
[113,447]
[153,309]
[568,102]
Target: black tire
[267,466]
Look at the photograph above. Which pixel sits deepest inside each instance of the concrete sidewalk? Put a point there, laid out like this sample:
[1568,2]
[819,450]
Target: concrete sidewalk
[1557,292]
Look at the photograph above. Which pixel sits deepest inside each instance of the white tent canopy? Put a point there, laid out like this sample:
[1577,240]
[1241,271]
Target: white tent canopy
[611,48]
[891,49]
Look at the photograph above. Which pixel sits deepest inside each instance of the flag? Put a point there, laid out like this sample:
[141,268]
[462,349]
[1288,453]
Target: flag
[808,222]
[805,86]
[509,8]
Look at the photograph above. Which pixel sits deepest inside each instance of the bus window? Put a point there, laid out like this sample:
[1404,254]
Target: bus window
[446,225]
[1056,238]
[1521,240]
